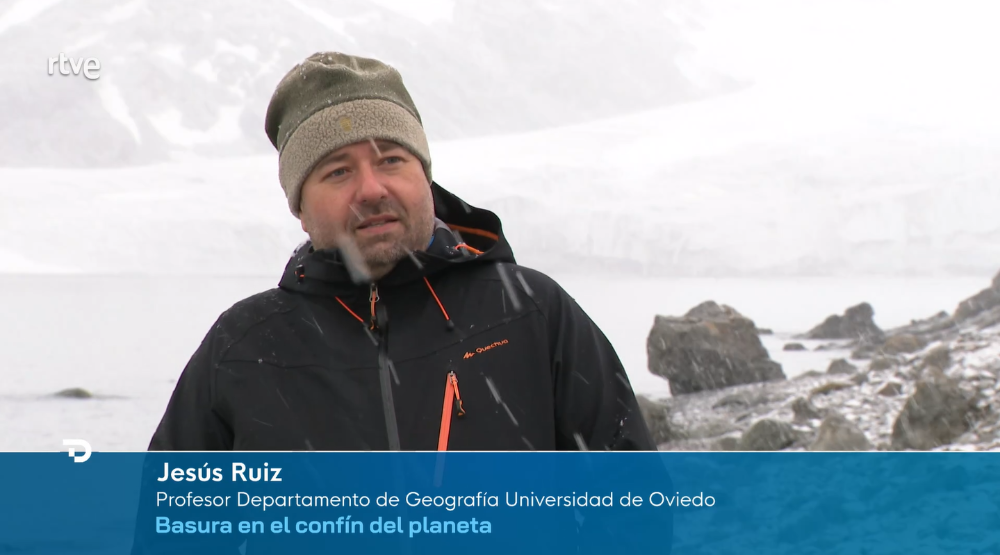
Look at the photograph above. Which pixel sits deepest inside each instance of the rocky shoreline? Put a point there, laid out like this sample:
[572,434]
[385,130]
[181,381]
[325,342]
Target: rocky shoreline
[931,385]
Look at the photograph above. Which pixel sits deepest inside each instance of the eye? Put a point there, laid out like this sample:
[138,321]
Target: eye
[392,160]
[337,172]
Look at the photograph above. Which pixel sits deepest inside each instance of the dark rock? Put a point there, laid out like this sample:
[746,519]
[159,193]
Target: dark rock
[810,374]
[740,400]
[856,323]
[883,363]
[74,393]
[830,347]
[939,357]
[903,343]
[829,387]
[891,389]
[864,351]
[841,366]
[860,378]
[935,415]
[980,302]
[657,416]
[710,348]
[765,331]
[837,433]
[804,410]
[794,347]
[768,435]
[934,327]
[727,443]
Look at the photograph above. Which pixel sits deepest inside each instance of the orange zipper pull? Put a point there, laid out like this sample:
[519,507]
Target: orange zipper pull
[450,395]
[373,298]
[454,384]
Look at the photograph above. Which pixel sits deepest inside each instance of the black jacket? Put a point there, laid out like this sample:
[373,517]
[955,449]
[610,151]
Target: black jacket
[315,365]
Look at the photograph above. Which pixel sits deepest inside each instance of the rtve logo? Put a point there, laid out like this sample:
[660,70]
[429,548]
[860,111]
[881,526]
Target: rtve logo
[81,443]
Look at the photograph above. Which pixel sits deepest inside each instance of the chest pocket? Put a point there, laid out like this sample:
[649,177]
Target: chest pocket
[497,391]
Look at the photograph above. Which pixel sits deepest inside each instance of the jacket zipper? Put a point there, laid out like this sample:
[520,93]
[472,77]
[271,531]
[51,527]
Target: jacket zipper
[451,394]
[381,328]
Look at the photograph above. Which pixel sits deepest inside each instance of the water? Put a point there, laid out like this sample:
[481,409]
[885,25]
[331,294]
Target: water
[126,338]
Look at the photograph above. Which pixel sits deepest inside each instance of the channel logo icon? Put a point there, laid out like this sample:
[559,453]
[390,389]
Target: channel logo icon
[74,445]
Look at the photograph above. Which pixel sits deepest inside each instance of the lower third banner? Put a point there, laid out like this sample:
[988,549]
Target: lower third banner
[484,503]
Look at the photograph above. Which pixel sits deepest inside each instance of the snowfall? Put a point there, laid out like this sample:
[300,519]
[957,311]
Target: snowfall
[861,173]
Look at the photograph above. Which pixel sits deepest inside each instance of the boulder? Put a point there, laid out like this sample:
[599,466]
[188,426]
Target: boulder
[883,363]
[727,443]
[837,433]
[986,299]
[740,401]
[765,331]
[709,348]
[856,323]
[902,343]
[864,351]
[74,393]
[859,378]
[891,389]
[794,347]
[768,435]
[829,387]
[841,366]
[657,416]
[936,414]
[939,357]
[804,410]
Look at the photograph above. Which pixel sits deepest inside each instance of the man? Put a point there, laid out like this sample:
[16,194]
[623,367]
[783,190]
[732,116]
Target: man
[404,323]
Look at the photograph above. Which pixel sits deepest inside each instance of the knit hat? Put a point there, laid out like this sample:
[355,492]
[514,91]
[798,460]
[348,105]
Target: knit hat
[331,100]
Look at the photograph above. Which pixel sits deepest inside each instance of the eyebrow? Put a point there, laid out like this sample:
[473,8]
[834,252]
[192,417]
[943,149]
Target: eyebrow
[383,146]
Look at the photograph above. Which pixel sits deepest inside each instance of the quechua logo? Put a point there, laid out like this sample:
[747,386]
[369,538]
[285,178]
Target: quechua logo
[481,350]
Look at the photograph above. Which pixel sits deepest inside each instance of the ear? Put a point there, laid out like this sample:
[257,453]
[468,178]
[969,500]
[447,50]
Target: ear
[302,221]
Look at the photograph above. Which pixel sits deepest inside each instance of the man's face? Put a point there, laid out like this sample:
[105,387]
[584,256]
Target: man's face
[371,199]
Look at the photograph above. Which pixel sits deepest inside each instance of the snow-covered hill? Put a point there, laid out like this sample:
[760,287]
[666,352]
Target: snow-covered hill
[701,189]
[196,75]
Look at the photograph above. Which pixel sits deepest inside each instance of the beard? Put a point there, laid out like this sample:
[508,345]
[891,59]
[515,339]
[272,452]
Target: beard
[371,256]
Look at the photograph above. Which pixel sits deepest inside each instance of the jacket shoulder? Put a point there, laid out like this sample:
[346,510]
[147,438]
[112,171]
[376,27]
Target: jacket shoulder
[540,288]
[235,321]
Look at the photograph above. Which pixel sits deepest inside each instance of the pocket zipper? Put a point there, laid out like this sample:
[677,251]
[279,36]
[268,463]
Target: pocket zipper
[451,394]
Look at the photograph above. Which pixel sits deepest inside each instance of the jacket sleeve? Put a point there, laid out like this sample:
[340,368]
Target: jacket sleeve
[191,422]
[596,408]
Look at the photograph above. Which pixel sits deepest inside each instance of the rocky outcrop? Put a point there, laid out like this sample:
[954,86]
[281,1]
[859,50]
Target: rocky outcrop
[803,410]
[891,389]
[841,366]
[944,395]
[657,416]
[837,433]
[711,347]
[768,435]
[856,323]
[902,343]
[794,347]
[984,301]
[935,415]
[74,393]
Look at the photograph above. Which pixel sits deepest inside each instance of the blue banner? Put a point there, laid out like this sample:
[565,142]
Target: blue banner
[484,503]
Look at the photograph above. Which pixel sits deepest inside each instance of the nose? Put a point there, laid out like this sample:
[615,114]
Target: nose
[370,189]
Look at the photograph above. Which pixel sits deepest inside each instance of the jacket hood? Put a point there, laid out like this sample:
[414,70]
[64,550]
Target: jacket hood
[469,235]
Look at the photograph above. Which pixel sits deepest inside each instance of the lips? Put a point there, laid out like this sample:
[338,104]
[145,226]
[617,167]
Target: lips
[376,221]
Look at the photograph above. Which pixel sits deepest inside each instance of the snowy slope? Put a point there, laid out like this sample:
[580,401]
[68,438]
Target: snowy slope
[196,75]
[702,189]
